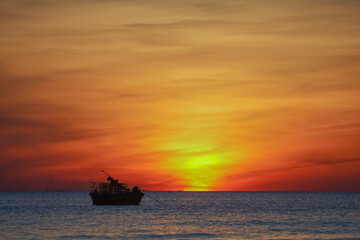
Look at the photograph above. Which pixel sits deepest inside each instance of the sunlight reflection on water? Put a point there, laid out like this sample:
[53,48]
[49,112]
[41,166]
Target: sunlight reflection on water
[67,215]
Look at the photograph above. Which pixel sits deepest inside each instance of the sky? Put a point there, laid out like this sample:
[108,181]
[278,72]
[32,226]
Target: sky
[197,95]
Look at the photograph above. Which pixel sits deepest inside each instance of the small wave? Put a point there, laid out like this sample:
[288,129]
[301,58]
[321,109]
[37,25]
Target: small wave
[178,235]
[84,236]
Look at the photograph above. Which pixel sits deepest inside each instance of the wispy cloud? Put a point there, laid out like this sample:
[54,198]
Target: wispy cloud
[137,85]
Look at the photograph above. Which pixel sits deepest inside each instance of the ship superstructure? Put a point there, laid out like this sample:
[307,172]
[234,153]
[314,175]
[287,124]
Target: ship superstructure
[112,192]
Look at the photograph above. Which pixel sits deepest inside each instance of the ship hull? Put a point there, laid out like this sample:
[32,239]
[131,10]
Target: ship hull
[116,198]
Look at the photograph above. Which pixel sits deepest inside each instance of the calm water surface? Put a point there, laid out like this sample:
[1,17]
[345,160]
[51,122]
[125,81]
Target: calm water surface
[182,215]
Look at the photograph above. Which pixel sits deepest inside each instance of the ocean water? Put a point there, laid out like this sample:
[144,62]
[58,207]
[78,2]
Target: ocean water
[182,215]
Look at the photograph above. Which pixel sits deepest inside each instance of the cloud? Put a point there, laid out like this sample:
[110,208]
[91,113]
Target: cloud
[304,172]
[125,78]
[28,129]
[305,163]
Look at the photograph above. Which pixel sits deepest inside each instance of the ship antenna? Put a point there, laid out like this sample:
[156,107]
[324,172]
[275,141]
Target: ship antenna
[110,178]
[105,173]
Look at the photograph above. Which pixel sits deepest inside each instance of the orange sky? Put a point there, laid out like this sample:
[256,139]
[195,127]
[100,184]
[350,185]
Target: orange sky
[192,95]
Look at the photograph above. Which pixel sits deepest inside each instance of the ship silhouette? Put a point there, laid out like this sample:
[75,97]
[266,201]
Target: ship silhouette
[114,193]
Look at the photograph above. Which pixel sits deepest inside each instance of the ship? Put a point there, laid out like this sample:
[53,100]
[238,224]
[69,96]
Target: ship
[112,192]
[52,189]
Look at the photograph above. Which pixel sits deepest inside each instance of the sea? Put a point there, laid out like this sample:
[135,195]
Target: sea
[182,215]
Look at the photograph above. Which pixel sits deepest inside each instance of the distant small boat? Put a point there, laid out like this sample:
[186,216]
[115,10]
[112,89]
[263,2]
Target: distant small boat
[114,193]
